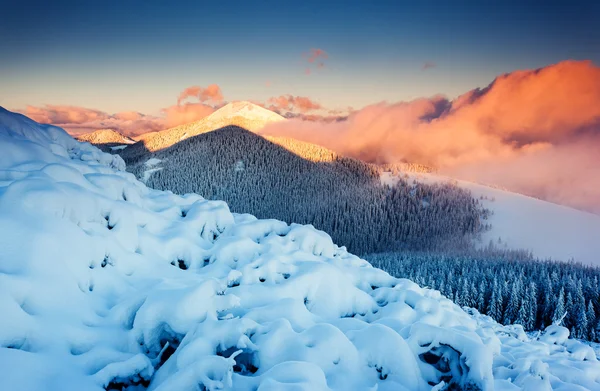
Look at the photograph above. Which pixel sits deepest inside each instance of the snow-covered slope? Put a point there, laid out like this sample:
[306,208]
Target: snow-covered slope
[105,283]
[105,136]
[520,222]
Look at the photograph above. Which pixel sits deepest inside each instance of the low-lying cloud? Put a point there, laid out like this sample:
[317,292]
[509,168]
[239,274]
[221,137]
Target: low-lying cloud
[78,120]
[534,131]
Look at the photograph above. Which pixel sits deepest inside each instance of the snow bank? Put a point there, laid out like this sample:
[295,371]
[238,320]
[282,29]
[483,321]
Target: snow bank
[106,284]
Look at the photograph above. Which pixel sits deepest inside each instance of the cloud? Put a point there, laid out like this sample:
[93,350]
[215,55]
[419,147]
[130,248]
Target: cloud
[62,114]
[534,131]
[211,93]
[288,102]
[316,60]
[316,54]
[78,120]
[427,65]
[189,112]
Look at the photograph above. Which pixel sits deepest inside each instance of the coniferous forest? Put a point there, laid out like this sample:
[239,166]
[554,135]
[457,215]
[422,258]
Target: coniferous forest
[341,196]
[511,287]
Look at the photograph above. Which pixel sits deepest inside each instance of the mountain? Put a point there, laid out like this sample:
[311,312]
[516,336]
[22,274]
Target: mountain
[108,284]
[105,136]
[301,182]
[548,230]
[244,114]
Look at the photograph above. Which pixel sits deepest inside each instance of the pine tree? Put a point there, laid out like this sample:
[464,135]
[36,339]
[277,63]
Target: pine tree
[591,318]
[581,327]
[559,310]
[512,309]
[495,306]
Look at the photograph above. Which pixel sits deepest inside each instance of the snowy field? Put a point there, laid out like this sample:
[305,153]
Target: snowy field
[548,230]
[107,284]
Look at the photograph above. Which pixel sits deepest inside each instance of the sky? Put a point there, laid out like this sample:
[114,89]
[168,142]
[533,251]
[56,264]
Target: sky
[140,55]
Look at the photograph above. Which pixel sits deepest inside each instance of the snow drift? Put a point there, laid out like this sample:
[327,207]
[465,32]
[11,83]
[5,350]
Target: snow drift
[107,284]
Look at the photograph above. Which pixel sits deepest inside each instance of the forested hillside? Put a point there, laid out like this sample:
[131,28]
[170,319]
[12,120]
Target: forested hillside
[510,287]
[339,195]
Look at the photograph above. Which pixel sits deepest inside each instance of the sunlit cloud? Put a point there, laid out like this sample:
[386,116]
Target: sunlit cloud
[189,112]
[288,102]
[522,125]
[211,93]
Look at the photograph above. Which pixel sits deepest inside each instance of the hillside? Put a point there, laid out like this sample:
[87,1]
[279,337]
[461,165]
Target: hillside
[105,136]
[301,182]
[547,230]
[132,288]
[244,114]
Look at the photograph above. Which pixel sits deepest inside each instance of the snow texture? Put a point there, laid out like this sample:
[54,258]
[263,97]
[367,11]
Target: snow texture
[107,284]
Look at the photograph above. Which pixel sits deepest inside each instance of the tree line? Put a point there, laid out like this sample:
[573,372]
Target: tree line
[509,286]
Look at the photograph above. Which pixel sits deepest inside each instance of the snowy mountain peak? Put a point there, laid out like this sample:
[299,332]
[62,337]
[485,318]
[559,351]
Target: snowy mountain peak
[245,109]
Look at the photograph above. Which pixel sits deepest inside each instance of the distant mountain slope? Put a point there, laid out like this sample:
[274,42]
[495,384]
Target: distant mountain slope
[105,136]
[243,114]
[302,182]
[521,222]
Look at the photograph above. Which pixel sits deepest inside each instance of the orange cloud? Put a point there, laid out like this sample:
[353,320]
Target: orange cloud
[293,103]
[517,127]
[62,114]
[189,112]
[211,93]
[77,120]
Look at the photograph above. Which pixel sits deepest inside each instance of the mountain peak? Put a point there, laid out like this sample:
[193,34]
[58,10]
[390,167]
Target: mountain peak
[247,110]
[105,136]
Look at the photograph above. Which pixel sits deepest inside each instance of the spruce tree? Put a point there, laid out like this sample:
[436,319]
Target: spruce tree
[591,318]
[559,309]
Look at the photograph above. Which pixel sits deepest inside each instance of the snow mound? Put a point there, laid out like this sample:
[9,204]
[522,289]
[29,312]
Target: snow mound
[107,284]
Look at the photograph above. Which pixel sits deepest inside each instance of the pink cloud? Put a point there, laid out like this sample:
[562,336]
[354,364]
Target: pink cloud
[293,103]
[316,54]
[523,125]
[77,120]
[189,112]
[211,93]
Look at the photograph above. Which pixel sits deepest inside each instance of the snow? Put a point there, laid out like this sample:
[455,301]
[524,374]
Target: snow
[520,222]
[105,283]
[118,147]
[247,110]
[152,162]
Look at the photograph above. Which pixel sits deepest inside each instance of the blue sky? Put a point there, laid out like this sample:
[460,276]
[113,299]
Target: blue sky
[138,55]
